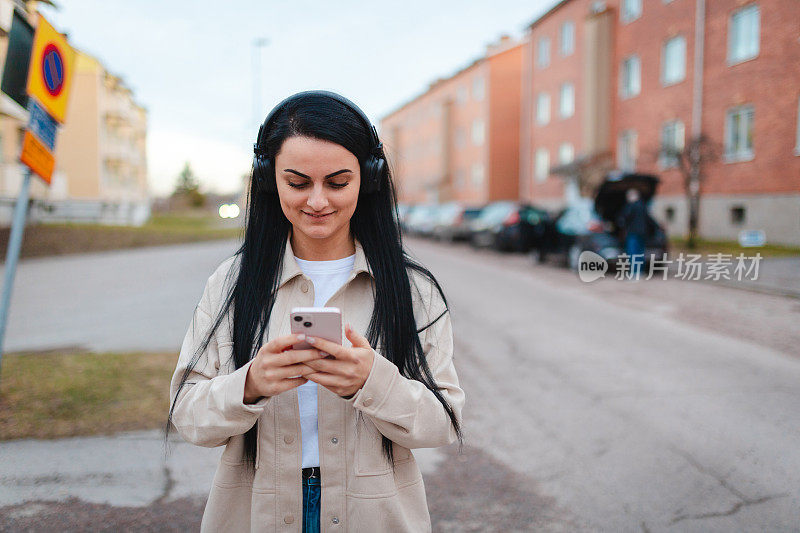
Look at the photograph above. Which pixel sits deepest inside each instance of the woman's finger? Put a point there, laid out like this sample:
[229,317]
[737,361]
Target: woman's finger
[279,344]
[290,357]
[336,350]
[329,381]
[291,371]
[288,384]
[330,366]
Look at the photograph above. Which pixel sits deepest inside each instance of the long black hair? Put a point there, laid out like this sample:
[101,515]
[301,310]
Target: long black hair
[374,224]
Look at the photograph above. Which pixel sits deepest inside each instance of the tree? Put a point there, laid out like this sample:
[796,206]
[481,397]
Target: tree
[588,171]
[187,188]
[690,160]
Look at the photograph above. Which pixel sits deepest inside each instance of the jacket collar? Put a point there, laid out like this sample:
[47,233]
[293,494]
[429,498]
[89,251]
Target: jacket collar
[291,269]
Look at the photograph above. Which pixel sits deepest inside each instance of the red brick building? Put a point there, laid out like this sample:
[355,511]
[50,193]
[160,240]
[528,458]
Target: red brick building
[459,140]
[616,80]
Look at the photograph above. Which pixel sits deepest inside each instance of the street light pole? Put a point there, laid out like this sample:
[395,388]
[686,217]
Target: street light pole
[258,44]
[12,253]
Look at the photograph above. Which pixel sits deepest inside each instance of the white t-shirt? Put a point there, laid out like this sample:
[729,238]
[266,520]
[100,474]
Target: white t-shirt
[328,277]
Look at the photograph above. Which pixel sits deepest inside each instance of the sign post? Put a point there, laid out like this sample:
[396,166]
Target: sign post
[49,79]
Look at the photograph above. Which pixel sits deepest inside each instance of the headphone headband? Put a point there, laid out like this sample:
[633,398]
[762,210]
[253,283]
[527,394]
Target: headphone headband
[376,160]
[376,144]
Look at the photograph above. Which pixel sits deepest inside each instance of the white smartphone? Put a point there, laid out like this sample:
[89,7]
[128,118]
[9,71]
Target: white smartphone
[324,322]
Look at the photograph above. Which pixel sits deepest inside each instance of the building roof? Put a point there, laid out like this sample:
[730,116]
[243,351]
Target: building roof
[504,44]
[547,13]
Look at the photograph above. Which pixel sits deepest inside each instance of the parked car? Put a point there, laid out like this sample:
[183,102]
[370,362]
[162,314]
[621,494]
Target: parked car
[453,221]
[509,226]
[402,211]
[421,219]
[591,224]
[404,215]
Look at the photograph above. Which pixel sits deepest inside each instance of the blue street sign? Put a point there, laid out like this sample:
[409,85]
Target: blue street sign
[754,238]
[41,124]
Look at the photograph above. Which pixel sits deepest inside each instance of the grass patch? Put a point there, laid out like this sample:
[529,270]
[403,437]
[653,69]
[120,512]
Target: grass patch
[41,240]
[69,394]
[706,247]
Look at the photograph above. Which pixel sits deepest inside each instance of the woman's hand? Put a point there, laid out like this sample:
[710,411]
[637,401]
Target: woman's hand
[275,365]
[347,371]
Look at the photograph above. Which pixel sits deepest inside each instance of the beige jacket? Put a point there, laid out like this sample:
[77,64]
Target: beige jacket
[359,491]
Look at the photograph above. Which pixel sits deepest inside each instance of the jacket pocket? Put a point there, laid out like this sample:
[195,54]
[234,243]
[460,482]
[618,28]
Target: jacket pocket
[401,453]
[369,457]
[230,475]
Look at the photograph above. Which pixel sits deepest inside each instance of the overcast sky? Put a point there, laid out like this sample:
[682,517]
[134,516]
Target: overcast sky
[191,64]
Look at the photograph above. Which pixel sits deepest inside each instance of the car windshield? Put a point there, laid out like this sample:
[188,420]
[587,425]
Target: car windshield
[576,218]
[496,213]
[472,213]
[420,212]
[448,212]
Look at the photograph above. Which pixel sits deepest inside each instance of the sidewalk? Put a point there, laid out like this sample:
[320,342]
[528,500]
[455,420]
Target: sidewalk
[128,469]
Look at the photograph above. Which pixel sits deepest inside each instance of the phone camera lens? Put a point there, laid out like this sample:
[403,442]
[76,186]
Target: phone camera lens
[298,319]
[307,324]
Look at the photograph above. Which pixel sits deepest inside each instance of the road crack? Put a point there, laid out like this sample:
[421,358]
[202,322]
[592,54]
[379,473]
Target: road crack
[733,510]
[169,484]
[744,500]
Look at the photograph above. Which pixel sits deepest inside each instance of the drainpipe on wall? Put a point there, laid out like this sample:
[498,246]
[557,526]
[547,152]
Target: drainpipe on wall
[697,114]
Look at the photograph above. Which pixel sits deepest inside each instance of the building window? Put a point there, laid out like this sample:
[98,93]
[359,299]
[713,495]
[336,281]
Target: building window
[478,132]
[566,103]
[743,34]
[669,213]
[542,163]
[543,108]
[672,138]
[673,61]
[630,84]
[567,38]
[631,10]
[477,175]
[566,153]
[597,6]
[478,88]
[738,214]
[543,52]
[739,133]
[626,150]
[461,95]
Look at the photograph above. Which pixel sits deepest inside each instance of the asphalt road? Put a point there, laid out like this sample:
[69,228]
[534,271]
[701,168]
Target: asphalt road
[663,405]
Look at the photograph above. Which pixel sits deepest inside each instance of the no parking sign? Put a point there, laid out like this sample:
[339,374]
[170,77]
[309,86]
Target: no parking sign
[50,72]
[49,78]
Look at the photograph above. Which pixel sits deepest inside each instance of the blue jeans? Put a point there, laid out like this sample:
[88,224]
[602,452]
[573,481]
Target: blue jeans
[634,247]
[312,492]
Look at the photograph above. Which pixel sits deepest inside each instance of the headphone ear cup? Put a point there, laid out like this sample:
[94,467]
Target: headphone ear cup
[263,174]
[373,173]
[269,176]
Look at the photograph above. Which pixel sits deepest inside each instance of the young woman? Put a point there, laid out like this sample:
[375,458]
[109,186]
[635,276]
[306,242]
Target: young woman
[328,450]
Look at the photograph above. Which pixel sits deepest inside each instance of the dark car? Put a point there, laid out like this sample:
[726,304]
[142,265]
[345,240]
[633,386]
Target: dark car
[453,223]
[509,226]
[592,225]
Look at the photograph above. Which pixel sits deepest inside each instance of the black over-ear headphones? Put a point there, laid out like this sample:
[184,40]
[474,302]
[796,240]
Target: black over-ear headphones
[373,170]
